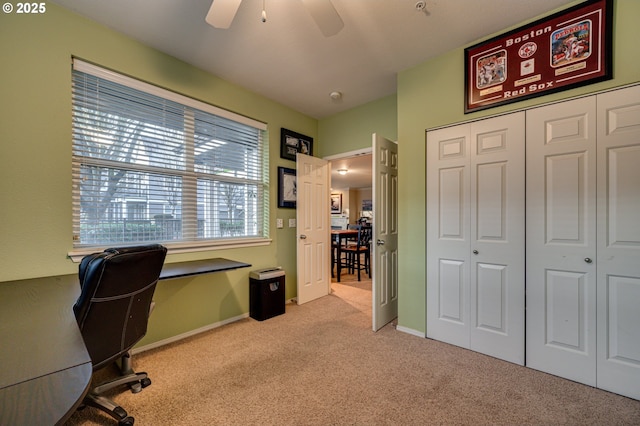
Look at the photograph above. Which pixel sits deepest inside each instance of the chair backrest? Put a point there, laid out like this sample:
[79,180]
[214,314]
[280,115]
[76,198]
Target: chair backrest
[364,237]
[353,227]
[117,288]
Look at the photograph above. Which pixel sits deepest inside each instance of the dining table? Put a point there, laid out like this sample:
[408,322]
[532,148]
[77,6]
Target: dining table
[340,236]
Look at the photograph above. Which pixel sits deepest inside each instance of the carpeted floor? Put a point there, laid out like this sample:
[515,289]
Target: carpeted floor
[320,364]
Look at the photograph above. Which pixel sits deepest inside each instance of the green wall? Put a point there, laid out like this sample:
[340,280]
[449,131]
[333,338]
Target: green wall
[432,95]
[351,130]
[35,160]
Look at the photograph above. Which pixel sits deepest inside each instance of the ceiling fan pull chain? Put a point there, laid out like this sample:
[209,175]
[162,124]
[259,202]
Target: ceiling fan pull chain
[264,12]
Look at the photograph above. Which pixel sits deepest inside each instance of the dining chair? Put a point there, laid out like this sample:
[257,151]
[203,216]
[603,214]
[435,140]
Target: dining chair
[354,252]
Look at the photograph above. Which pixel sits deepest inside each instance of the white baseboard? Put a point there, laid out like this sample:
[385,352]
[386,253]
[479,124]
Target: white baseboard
[187,334]
[410,331]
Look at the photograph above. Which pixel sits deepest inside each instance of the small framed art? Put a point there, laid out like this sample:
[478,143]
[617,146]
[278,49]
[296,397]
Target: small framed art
[336,203]
[292,143]
[287,189]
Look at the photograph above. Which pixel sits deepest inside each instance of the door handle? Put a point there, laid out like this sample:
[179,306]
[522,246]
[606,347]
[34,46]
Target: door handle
[588,259]
[380,242]
[475,252]
[303,237]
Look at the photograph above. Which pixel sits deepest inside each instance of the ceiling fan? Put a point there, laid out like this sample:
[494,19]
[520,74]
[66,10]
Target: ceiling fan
[222,12]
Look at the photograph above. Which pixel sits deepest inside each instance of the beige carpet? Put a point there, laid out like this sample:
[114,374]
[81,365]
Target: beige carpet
[320,364]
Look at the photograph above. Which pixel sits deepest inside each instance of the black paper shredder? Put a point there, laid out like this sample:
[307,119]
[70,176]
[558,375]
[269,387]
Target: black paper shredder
[266,293]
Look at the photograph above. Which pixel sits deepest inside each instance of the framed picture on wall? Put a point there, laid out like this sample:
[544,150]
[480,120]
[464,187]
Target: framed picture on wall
[287,189]
[292,143]
[568,49]
[336,203]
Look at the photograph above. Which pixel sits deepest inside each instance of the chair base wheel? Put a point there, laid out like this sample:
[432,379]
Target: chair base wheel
[127,421]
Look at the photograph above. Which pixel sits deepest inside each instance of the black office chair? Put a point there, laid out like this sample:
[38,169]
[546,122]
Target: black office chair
[112,312]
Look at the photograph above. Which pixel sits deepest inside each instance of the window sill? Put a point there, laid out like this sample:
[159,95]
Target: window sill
[183,247]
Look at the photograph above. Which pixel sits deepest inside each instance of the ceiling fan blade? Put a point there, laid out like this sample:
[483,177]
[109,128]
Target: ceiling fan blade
[222,12]
[325,15]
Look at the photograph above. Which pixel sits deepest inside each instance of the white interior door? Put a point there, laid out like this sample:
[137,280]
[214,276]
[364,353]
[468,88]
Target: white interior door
[475,236]
[385,231]
[618,247]
[313,228]
[561,239]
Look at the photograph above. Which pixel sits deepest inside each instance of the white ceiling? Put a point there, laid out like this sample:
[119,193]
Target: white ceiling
[287,59]
[358,175]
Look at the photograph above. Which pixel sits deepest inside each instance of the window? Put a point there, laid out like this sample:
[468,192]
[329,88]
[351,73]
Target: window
[152,165]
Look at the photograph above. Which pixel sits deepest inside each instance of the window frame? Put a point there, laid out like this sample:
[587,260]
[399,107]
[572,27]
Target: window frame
[177,246]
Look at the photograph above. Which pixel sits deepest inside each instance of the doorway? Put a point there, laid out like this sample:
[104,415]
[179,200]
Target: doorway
[351,188]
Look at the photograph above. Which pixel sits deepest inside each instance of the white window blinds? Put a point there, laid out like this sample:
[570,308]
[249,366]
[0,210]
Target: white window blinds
[152,165]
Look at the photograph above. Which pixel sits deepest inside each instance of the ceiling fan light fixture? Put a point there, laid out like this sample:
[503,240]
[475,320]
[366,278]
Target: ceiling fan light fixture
[327,18]
[222,12]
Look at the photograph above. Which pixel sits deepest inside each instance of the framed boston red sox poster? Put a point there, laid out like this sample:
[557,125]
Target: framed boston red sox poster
[568,49]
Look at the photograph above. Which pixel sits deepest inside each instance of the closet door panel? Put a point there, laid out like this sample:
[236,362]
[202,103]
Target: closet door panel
[561,239]
[618,262]
[448,235]
[491,196]
[491,301]
[623,343]
[566,322]
[452,203]
[623,202]
[566,197]
[497,237]
[451,287]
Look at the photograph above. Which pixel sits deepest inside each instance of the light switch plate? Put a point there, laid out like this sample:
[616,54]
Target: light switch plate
[279,223]
[292,223]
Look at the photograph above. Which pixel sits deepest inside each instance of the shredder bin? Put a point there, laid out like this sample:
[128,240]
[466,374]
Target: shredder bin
[266,293]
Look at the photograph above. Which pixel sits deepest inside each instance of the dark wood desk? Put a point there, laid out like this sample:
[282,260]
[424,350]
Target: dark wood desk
[45,369]
[197,267]
[338,235]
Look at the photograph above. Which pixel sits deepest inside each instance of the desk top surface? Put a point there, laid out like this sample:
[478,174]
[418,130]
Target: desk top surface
[197,267]
[42,351]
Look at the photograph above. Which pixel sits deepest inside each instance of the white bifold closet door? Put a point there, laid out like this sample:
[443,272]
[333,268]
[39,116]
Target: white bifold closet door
[475,236]
[561,239]
[583,240]
[618,248]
